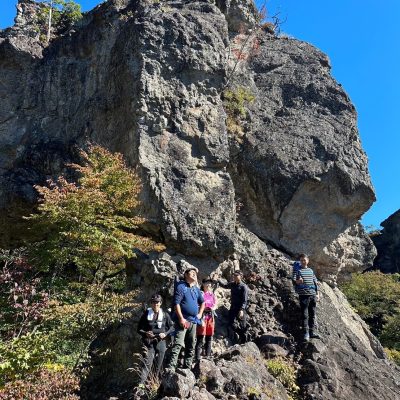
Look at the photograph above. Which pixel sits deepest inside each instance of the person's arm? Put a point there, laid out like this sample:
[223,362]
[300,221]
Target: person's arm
[142,326]
[178,297]
[200,300]
[315,283]
[223,283]
[299,279]
[214,307]
[245,297]
[316,286]
[181,319]
[169,327]
[244,301]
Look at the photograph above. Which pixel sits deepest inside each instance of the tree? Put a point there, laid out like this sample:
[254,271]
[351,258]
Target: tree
[92,224]
[375,296]
[59,14]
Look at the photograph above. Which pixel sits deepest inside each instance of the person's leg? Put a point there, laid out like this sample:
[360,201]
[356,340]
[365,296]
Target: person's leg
[147,364]
[161,349]
[304,301]
[210,328]
[176,349]
[311,317]
[243,328]
[208,345]
[231,325]
[190,343]
[199,346]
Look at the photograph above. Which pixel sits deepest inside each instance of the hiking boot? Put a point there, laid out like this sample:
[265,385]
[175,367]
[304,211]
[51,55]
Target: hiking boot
[314,335]
[306,337]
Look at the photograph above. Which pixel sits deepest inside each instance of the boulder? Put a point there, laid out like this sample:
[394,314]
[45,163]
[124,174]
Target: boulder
[180,383]
[387,243]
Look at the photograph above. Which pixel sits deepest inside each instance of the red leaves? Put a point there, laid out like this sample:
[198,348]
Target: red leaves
[20,292]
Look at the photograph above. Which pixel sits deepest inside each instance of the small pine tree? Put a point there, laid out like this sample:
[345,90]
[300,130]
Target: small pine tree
[92,224]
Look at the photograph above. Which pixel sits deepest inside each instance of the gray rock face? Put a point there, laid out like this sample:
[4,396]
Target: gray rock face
[240,373]
[301,165]
[148,88]
[182,142]
[388,245]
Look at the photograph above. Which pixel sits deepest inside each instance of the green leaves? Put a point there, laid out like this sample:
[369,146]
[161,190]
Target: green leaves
[376,298]
[23,355]
[235,103]
[91,223]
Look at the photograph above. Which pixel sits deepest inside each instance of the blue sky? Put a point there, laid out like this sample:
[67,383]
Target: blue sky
[362,40]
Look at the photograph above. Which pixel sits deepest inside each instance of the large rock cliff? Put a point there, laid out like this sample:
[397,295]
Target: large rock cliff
[146,78]
[387,243]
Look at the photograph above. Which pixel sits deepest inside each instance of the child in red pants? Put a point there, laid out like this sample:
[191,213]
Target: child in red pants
[205,331]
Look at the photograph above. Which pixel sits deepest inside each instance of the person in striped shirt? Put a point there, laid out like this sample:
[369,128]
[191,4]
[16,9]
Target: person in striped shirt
[307,289]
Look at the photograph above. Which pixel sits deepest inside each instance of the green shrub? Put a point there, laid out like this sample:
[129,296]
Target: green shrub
[24,355]
[235,102]
[393,355]
[285,372]
[375,296]
[390,335]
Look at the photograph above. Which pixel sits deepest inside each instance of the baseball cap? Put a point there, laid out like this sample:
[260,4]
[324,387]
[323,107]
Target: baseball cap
[156,298]
[188,267]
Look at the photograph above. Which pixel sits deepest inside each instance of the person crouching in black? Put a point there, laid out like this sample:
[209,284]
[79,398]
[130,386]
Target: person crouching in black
[154,326]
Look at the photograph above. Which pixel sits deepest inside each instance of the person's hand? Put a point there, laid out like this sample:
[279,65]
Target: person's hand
[150,334]
[214,276]
[241,314]
[317,297]
[182,322]
[299,281]
[199,316]
[162,336]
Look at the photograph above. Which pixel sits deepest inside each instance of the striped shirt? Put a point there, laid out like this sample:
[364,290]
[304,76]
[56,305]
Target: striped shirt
[309,285]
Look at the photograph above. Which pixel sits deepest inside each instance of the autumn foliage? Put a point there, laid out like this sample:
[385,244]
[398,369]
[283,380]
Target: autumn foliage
[92,224]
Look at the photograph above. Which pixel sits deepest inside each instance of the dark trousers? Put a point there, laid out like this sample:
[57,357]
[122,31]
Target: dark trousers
[183,338]
[237,326]
[200,343]
[308,305]
[154,350]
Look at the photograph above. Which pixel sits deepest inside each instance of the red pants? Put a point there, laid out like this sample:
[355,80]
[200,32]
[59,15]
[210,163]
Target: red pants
[207,329]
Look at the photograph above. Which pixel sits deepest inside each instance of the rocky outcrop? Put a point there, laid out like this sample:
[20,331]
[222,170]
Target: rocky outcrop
[146,78]
[347,362]
[301,165]
[387,243]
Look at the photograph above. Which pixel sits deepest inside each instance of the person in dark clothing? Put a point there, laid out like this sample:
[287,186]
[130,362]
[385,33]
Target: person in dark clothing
[307,289]
[237,317]
[154,326]
[188,307]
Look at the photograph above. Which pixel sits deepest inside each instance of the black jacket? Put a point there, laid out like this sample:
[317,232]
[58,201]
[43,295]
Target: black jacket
[145,325]
[239,294]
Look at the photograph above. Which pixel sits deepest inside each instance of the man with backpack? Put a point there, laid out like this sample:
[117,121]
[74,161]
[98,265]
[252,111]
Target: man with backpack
[188,304]
[307,289]
[154,327]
